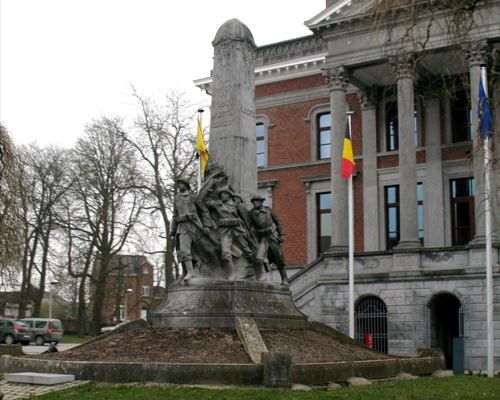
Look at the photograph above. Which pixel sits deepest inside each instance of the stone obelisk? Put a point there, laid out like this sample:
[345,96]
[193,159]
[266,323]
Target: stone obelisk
[232,124]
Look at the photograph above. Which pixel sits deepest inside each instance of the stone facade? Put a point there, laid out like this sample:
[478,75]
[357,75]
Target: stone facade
[351,65]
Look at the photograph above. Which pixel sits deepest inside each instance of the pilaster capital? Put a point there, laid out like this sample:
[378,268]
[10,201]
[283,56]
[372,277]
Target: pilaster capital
[476,53]
[368,98]
[336,78]
[403,65]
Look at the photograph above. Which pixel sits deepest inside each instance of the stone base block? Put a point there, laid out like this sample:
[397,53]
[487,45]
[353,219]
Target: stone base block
[207,303]
[36,378]
[277,369]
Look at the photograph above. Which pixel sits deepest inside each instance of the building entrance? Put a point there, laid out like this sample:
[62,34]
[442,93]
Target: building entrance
[445,324]
[371,323]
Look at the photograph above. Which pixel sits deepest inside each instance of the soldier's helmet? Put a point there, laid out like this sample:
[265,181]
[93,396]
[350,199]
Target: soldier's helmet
[257,197]
[185,180]
[226,189]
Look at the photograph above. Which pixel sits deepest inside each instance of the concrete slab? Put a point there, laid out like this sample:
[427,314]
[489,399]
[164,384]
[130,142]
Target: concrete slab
[36,378]
[249,335]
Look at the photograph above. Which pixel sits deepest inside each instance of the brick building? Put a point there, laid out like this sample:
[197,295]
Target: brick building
[129,289]
[418,214]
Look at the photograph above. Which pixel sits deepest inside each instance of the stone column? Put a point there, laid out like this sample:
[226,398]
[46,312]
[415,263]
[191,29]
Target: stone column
[232,122]
[370,177]
[404,68]
[337,82]
[433,189]
[495,175]
[476,56]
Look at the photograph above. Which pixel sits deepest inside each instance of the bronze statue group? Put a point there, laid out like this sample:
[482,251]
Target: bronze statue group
[218,237]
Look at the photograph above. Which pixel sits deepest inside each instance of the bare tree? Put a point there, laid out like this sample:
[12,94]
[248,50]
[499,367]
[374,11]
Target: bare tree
[163,138]
[10,238]
[42,185]
[109,202]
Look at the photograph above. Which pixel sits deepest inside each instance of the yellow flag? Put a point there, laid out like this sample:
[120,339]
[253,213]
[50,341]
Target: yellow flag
[201,148]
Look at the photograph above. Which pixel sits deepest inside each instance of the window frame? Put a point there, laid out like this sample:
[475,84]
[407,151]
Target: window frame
[312,118]
[387,206]
[460,134]
[420,205]
[263,120]
[391,106]
[319,212]
[462,199]
[145,290]
[319,130]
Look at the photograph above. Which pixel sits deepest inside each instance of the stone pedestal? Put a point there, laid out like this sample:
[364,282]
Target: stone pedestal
[217,303]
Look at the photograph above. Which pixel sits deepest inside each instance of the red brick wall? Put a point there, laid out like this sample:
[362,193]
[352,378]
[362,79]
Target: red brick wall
[289,140]
[457,153]
[289,85]
[135,300]
[290,205]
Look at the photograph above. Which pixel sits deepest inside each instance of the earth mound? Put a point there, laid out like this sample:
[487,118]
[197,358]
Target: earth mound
[213,346]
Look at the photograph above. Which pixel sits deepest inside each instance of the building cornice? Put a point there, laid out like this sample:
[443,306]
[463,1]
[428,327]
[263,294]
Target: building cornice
[295,58]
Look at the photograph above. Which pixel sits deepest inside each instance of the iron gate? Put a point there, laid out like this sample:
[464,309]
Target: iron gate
[371,323]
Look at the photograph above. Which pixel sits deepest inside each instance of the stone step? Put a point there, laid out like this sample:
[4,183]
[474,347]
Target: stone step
[36,378]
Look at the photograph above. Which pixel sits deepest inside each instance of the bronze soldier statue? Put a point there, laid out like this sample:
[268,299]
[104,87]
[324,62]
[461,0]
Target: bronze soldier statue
[187,226]
[270,236]
[231,231]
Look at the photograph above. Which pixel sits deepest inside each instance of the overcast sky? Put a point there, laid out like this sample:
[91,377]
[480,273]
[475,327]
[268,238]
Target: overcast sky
[65,62]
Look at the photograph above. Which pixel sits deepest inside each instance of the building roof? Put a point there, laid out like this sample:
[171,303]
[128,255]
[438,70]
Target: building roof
[340,10]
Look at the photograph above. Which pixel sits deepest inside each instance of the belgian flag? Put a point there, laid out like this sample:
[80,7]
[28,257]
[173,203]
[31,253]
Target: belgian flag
[348,165]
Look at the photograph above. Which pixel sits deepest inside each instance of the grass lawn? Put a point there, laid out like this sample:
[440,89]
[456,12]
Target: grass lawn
[75,339]
[456,388]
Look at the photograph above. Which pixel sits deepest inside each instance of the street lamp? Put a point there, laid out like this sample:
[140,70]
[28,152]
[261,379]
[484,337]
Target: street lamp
[50,297]
[126,304]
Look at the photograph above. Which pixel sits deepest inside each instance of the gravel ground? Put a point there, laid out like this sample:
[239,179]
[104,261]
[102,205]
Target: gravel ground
[211,346]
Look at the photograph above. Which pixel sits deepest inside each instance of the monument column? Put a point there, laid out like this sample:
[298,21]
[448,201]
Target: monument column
[476,57]
[232,123]
[404,69]
[370,178]
[337,82]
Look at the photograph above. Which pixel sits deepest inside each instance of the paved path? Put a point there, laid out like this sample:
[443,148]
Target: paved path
[40,349]
[14,391]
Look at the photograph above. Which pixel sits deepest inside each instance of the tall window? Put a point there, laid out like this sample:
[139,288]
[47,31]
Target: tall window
[420,211]
[391,126]
[145,290]
[324,218]
[460,118]
[392,223]
[392,230]
[324,129]
[462,210]
[260,129]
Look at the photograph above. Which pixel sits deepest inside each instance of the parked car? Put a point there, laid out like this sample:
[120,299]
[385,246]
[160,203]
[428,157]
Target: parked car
[45,330]
[14,331]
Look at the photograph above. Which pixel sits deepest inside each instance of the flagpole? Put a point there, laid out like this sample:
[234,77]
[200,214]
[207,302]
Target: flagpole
[200,114]
[351,244]
[487,228]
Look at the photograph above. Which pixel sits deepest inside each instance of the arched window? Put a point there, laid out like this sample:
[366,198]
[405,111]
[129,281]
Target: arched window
[371,323]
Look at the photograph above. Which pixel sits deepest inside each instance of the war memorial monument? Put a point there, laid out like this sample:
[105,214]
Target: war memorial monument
[223,321]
